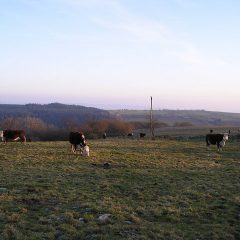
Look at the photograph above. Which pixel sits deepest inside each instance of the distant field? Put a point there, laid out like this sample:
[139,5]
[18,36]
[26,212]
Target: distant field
[195,117]
[162,189]
[188,132]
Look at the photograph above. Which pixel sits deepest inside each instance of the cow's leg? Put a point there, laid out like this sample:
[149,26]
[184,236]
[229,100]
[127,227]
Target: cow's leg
[81,149]
[23,139]
[219,149]
[73,149]
[207,145]
[16,139]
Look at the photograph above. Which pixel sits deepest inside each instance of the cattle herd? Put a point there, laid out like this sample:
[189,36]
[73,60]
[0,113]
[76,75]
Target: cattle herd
[78,139]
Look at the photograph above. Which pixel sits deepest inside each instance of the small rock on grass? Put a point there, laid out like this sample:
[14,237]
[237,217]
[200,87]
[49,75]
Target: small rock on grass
[129,222]
[82,220]
[104,218]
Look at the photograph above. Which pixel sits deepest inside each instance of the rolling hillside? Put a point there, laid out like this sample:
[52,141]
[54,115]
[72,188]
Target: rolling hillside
[170,117]
[55,113]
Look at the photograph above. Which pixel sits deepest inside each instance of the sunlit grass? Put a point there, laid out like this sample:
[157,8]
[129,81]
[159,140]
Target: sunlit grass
[160,189]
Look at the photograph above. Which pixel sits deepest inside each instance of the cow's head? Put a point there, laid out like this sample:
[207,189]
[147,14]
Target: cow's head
[83,143]
[225,136]
[1,135]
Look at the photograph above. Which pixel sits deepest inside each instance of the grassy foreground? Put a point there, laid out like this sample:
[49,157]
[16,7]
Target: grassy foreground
[160,189]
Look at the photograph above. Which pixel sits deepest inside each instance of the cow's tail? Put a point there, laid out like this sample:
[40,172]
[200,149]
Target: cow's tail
[207,141]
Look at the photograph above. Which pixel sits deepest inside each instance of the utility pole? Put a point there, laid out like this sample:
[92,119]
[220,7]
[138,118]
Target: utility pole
[151,122]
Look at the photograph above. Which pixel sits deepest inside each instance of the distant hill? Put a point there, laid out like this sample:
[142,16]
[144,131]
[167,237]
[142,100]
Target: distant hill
[171,117]
[54,113]
[60,115]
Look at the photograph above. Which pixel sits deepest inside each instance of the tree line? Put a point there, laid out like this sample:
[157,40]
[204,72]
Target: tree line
[38,130]
[53,122]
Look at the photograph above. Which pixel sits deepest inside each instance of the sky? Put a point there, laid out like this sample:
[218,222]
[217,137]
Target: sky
[115,54]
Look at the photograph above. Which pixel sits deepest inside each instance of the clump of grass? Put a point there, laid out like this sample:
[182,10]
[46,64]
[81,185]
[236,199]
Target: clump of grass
[11,232]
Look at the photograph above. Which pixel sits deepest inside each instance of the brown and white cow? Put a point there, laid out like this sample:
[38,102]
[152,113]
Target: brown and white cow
[13,135]
[77,138]
[217,139]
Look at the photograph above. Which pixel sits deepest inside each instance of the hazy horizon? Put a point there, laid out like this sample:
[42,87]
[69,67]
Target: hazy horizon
[118,109]
[115,54]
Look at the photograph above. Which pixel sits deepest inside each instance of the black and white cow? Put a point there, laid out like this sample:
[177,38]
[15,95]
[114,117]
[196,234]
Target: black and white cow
[77,138]
[104,135]
[13,135]
[217,139]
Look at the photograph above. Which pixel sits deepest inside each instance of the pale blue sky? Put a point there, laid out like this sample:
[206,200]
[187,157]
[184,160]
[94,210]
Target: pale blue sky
[117,53]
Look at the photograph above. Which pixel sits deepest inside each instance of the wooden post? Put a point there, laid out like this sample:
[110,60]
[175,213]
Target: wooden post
[151,122]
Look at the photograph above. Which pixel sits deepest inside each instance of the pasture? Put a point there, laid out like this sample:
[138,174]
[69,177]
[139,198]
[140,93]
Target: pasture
[162,189]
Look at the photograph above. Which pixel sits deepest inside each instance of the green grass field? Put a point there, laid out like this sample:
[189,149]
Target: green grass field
[162,189]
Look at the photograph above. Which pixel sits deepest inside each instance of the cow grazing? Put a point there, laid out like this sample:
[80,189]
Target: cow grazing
[77,138]
[217,139]
[13,135]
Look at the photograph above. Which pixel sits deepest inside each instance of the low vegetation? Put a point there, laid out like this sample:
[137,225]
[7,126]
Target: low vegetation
[37,130]
[162,189]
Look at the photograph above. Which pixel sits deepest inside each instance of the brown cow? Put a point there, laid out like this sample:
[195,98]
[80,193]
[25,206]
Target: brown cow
[14,135]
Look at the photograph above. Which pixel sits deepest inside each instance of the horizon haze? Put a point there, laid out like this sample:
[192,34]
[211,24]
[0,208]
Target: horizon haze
[115,54]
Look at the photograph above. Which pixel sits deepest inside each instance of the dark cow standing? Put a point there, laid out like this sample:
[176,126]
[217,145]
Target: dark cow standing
[14,135]
[216,139]
[77,138]
[142,135]
[104,135]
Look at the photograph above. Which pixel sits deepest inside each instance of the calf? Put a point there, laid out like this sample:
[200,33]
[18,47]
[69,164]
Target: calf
[14,135]
[217,139]
[85,151]
[77,138]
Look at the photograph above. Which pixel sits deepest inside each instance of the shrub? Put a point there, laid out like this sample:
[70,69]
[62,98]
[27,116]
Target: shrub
[111,127]
[182,124]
